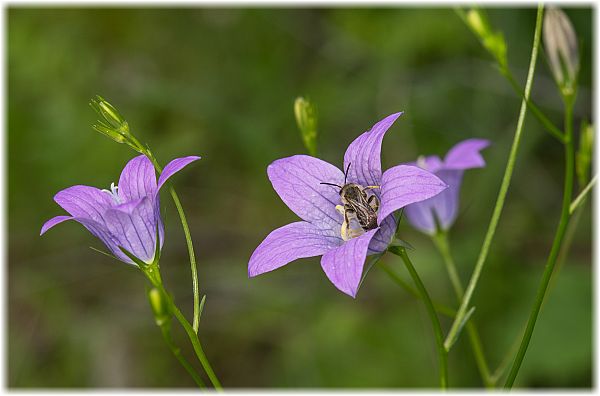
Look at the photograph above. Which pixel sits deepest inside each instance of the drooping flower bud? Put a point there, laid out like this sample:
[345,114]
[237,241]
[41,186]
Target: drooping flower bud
[306,118]
[584,153]
[560,43]
[492,41]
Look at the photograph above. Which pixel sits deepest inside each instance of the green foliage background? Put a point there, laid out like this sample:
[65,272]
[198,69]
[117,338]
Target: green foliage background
[221,83]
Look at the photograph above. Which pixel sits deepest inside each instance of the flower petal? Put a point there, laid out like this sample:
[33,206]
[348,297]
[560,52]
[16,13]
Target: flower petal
[173,167]
[403,185]
[445,205]
[297,181]
[85,202]
[54,221]
[133,226]
[465,154]
[344,265]
[431,163]
[137,180]
[364,154]
[289,243]
[384,236]
[101,232]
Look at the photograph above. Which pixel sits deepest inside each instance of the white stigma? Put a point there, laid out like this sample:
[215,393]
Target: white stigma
[114,192]
[421,163]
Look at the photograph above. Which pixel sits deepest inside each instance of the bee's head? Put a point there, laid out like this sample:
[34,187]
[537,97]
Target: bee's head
[351,192]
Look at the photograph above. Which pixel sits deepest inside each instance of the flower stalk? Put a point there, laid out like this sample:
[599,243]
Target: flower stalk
[440,239]
[506,179]
[437,328]
[163,321]
[556,245]
[152,272]
[190,245]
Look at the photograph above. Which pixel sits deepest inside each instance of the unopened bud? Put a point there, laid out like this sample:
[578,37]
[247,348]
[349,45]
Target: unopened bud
[110,118]
[108,132]
[306,118]
[560,43]
[492,41]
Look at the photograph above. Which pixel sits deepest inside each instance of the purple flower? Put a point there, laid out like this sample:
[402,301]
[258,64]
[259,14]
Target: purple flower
[464,155]
[334,230]
[127,216]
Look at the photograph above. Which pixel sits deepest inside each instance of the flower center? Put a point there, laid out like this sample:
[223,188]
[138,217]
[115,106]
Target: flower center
[359,210]
[114,193]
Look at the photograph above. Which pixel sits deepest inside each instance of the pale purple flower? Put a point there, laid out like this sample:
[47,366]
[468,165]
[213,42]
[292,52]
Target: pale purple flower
[127,216]
[297,181]
[464,155]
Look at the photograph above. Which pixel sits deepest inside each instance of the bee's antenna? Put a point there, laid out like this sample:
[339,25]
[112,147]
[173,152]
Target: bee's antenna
[331,184]
[346,174]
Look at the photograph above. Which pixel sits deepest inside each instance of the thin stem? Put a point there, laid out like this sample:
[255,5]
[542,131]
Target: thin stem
[182,360]
[188,240]
[192,335]
[579,200]
[442,309]
[567,241]
[560,232]
[440,240]
[510,165]
[437,328]
[505,362]
[550,127]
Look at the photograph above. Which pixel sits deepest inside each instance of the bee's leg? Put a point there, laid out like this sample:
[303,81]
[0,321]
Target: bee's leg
[340,209]
[372,187]
[373,202]
[345,231]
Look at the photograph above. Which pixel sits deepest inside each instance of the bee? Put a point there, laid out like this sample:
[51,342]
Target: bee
[357,205]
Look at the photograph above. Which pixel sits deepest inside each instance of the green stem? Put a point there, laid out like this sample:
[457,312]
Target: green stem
[437,328]
[489,236]
[567,241]
[580,198]
[153,275]
[182,360]
[550,127]
[560,232]
[188,240]
[442,309]
[193,336]
[440,240]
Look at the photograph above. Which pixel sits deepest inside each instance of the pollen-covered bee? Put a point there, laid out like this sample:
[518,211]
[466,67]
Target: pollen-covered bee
[357,205]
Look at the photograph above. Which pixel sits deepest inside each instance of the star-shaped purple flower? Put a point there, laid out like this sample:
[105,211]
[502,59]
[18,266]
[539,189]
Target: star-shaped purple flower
[464,155]
[127,216]
[324,230]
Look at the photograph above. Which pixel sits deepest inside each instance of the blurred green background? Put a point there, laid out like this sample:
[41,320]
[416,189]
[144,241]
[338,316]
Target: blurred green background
[221,83]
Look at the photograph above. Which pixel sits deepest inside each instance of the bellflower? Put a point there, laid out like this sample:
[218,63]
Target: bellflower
[444,206]
[127,216]
[323,230]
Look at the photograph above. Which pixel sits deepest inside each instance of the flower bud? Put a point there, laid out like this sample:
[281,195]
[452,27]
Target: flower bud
[110,118]
[560,43]
[584,153]
[159,306]
[492,41]
[111,133]
[306,118]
